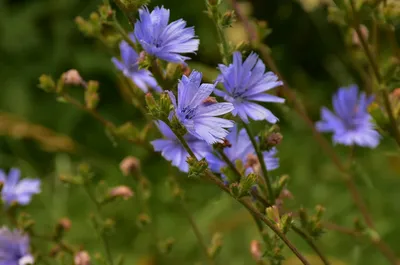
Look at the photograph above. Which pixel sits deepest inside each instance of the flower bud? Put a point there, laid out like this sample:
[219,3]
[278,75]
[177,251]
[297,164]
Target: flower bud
[274,139]
[273,214]
[47,83]
[131,6]
[165,246]
[247,183]
[120,192]
[65,224]
[228,18]
[216,245]
[255,250]
[143,220]
[364,32]
[213,3]
[72,77]
[196,168]
[130,165]
[82,258]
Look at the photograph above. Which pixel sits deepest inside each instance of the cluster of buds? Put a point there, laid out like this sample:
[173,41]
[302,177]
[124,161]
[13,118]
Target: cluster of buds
[271,138]
[197,168]
[312,224]
[283,223]
[159,109]
[243,188]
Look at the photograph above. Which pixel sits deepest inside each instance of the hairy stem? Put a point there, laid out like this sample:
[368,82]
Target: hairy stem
[224,48]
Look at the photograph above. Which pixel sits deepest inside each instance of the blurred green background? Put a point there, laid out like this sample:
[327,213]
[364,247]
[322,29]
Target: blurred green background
[41,37]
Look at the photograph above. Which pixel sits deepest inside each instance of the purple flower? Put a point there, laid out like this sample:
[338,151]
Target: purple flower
[18,191]
[172,150]
[241,149]
[14,248]
[197,116]
[130,68]
[351,123]
[163,40]
[245,83]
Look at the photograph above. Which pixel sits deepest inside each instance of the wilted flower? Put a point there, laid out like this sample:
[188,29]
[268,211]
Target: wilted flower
[82,258]
[72,77]
[18,191]
[129,165]
[14,248]
[199,117]
[351,123]
[172,150]
[130,68]
[163,40]
[246,82]
[242,149]
[121,192]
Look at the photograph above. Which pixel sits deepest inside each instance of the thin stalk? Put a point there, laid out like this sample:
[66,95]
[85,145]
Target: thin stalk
[197,232]
[123,33]
[263,165]
[100,234]
[311,243]
[211,177]
[221,35]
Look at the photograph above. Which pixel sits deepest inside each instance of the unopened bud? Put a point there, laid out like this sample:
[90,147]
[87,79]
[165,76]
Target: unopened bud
[185,69]
[72,77]
[143,219]
[214,2]
[65,224]
[120,192]
[82,258]
[255,250]
[252,162]
[274,139]
[47,83]
[247,183]
[364,32]
[196,168]
[228,18]
[165,246]
[131,5]
[216,245]
[273,214]
[129,165]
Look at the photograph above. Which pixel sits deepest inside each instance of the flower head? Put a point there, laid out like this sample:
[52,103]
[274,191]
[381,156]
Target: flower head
[241,149]
[130,68]
[163,40]
[14,248]
[351,123]
[198,116]
[172,150]
[245,83]
[18,191]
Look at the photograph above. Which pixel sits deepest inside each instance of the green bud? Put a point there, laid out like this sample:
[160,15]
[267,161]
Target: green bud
[273,214]
[105,12]
[216,245]
[127,131]
[228,18]
[319,212]
[151,102]
[304,218]
[213,3]
[286,223]
[165,103]
[235,190]
[75,180]
[143,220]
[373,235]
[91,94]
[247,183]
[47,83]
[281,184]
[165,246]
[197,168]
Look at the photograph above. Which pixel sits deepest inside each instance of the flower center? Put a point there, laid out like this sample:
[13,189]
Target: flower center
[188,112]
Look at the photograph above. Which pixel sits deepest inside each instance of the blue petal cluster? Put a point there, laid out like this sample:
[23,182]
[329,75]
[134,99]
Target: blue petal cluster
[130,68]
[198,116]
[14,248]
[172,150]
[246,83]
[241,148]
[16,190]
[163,40]
[351,123]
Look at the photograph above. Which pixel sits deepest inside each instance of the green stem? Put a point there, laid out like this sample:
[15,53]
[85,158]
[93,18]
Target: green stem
[230,164]
[224,49]
[100,234]
[123,33]
[263,165]
[197,233]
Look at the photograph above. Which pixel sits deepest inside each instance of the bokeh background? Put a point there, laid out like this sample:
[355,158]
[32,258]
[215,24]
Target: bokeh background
[40,36]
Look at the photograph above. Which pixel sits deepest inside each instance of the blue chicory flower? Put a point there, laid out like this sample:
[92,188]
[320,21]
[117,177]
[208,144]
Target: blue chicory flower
[14,248]
[130,68]
[351,123]
[246,83]
[16,190]
[172,150]
[241,148]
[163,40]
[198,116]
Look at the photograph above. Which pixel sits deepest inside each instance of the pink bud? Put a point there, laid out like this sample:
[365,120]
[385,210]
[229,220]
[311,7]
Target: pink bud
[72,77]
[121,191]
[129,165]
[82,258]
